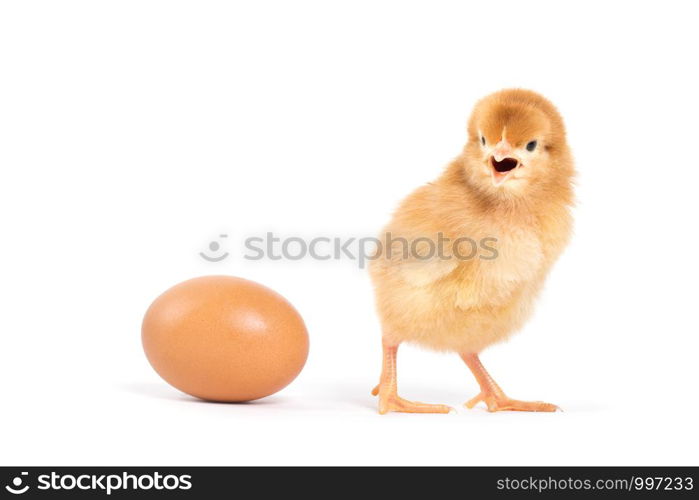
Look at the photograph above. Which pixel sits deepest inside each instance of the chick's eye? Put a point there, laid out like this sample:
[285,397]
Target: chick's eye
[483,140]
[531,145]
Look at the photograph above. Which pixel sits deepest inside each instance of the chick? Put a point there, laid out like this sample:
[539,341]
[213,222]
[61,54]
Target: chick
[465,256]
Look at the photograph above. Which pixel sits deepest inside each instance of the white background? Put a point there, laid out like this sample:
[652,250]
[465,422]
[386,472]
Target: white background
[133,133]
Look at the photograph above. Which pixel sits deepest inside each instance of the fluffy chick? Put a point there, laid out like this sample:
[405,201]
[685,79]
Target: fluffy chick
[465,256]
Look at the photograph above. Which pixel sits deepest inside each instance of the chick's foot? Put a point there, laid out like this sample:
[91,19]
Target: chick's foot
[387,390]
[494,397]
[503,403]
[391,401]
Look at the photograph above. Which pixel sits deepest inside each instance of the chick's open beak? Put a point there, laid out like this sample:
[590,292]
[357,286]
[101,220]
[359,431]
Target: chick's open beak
[503,162]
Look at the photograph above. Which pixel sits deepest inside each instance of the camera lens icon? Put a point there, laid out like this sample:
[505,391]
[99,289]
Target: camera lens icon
[16,488]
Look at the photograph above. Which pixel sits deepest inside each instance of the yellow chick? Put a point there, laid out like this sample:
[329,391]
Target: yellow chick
[465,256]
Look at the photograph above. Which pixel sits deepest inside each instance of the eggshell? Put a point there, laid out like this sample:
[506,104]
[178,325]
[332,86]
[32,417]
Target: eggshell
[222,338]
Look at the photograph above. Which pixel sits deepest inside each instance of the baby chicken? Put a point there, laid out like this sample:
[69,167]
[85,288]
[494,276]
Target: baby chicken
[465,256]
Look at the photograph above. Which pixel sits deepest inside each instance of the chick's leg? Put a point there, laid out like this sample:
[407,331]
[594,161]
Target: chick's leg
[387,390]
[494,397]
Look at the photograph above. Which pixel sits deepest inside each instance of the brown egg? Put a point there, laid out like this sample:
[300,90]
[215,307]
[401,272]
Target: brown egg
[227,339]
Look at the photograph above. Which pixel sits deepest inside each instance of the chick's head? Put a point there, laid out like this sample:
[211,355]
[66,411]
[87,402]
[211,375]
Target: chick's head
[516,145]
